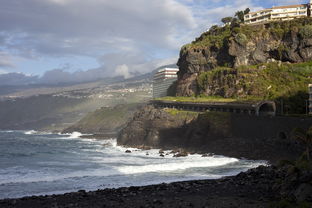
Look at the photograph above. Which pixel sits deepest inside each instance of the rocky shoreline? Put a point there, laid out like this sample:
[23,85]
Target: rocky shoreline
[232,135]
[260,187]
[254,188]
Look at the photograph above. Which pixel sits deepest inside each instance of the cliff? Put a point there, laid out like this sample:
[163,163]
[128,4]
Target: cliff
[244,61]
[264,138]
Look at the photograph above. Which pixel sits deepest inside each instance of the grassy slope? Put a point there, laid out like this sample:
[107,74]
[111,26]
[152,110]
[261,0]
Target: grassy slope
[198,99]
[105,119]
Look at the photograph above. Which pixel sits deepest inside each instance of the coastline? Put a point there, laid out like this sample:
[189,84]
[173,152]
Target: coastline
[254,188]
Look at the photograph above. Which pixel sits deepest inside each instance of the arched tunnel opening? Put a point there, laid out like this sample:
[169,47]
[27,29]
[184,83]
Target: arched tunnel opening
[267,109]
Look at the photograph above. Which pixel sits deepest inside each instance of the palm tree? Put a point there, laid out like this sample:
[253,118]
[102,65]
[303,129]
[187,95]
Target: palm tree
[305,137]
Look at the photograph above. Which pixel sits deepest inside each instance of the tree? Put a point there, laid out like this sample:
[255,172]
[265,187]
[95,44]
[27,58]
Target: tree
[227,20]
[214,28]
[304,137]
[247,10]
[240,14]
[235,23]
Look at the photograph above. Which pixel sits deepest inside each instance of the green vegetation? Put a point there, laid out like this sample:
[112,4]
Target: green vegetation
[281,82]
[285,83]
[218,36]
[227,20]
[105,118]
[175,112]
[241,38]
[198,99]
[215,37]
[273,81]
[306,32]
[240,14]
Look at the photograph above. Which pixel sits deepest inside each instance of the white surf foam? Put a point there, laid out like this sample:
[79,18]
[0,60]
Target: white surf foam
[75,135]
[179,165]
[30,132]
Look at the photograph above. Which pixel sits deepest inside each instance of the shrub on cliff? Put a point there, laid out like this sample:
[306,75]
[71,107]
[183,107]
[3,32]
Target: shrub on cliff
[274,81]
[306,31]
[241,38]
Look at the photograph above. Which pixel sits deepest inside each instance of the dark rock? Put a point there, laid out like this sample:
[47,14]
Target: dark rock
[162,155]
[220,133]
[128,151]
[304,192]
[207,155]
[181,154]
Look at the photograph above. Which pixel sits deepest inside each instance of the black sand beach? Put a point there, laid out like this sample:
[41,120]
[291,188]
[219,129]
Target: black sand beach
[255,188]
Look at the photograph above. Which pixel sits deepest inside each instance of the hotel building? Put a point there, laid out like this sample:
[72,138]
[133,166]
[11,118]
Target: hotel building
[162,81]
[279,13]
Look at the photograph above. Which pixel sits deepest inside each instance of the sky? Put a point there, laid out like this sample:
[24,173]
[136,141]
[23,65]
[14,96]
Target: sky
[83,40]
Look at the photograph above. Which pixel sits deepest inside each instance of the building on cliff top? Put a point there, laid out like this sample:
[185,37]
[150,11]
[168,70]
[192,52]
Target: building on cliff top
[162,81]
[279,13]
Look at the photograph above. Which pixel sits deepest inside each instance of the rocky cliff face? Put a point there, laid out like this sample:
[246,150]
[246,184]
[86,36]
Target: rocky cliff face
[145,128]
[227,134]
[235,46]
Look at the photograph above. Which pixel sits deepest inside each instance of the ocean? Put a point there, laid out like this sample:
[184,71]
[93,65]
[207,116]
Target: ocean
[34,163]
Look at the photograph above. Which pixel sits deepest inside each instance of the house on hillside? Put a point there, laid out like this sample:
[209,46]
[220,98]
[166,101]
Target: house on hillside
[278,13]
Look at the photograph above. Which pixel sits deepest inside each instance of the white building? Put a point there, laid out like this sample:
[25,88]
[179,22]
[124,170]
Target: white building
[279,13]
[162,81]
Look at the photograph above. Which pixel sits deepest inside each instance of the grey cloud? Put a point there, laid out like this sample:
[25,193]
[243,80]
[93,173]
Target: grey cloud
[127,66]
[70,27]
[5,60]
[122,35]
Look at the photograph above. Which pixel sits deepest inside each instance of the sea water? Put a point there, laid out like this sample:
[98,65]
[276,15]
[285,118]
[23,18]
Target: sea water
[33,163]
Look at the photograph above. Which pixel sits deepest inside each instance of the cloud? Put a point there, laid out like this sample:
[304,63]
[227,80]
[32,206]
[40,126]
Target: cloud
[122,70]
[67,27]
[124,37]
[5,60]
[131,65]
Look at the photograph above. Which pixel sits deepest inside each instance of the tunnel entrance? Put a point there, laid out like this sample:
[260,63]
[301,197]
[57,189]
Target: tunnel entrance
[267,109]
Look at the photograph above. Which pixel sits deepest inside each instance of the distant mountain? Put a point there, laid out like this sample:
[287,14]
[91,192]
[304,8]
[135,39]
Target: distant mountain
[15,79]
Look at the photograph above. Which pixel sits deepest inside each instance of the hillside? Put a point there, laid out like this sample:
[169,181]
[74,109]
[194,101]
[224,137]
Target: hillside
[269,61]
[53,108]
[105,119]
